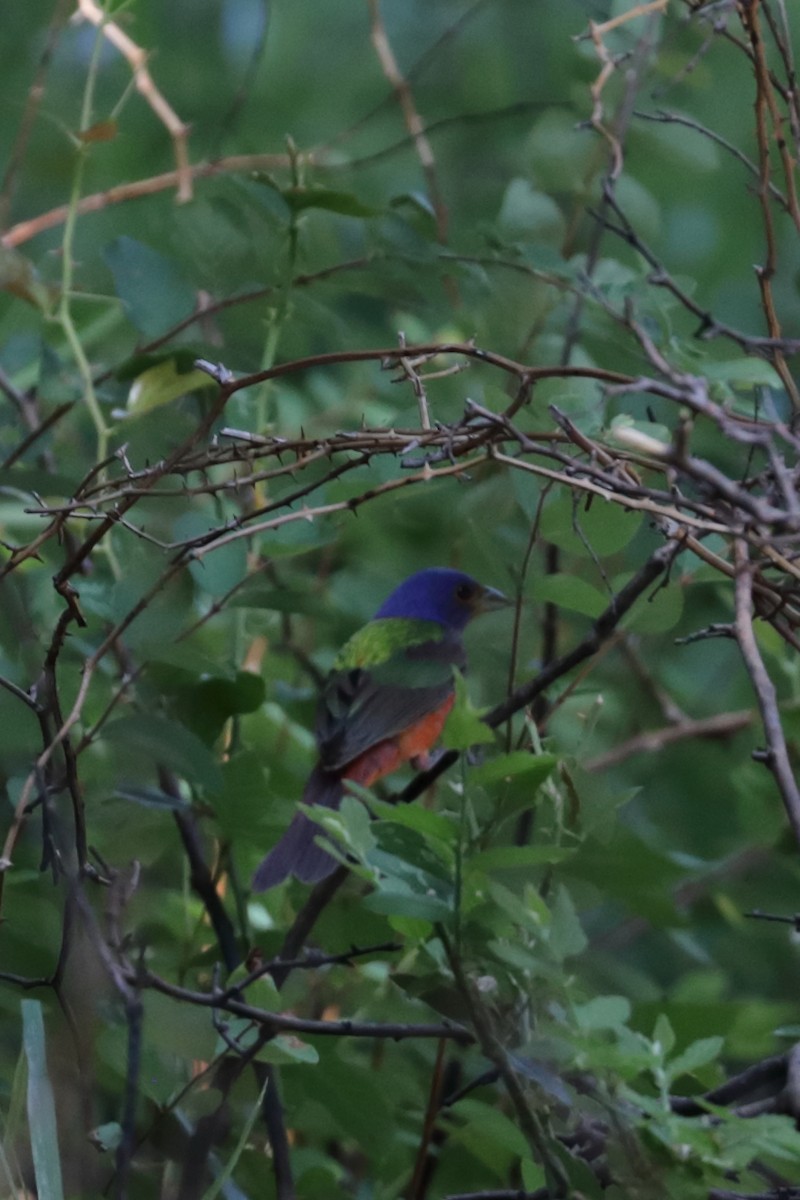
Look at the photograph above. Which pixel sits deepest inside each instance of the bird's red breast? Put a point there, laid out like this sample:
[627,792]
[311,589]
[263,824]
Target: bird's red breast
[386,756]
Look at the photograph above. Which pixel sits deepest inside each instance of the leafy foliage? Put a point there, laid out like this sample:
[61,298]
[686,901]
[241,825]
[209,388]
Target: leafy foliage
[296,301]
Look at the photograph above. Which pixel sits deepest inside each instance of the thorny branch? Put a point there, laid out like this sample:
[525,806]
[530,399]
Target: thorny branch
[695,499]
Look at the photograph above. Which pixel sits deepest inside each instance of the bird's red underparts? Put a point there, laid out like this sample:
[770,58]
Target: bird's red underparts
[413,743]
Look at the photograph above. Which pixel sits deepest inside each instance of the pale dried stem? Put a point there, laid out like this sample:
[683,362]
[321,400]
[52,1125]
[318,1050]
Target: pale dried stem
[24,231]
[413,121]
[638,504]
[608,65]
[136,58]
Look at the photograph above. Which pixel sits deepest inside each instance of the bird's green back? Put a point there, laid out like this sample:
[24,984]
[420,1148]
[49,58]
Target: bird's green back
[378,641]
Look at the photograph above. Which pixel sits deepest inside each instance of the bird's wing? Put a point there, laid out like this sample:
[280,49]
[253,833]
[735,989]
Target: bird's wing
[362,706]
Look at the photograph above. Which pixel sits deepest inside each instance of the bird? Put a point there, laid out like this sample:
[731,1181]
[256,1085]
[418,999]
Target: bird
[384,703]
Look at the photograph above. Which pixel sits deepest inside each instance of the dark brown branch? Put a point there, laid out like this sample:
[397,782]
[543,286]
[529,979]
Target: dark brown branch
[202,881]
[277,1023]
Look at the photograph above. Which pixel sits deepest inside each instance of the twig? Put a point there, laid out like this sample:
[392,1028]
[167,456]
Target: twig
[274,1023]
[531,1124]
[137,60]
[52,419]
[413,120]
[654,740]
[33,104]
[202,881]
[24,231]
[415,1190]
[240,164]
[607,67]
[764,104]
[670,118]
[777,758]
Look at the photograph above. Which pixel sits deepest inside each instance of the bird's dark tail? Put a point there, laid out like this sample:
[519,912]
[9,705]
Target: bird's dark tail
[297,853]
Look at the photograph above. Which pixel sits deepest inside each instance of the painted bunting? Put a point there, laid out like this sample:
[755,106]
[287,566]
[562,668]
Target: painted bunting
[383,704]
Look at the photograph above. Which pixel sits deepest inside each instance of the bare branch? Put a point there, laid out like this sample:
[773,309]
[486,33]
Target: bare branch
[777,758]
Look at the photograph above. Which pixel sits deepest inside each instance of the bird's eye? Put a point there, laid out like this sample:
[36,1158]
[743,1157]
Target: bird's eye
[463,591]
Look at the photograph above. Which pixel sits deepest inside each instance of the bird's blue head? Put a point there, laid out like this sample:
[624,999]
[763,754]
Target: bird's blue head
[450,598]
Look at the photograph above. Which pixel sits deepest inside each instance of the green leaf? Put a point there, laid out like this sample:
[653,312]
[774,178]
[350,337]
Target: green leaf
[768,1134]
[701,1052]
[527,910]
[240,1030]
[257,593]
[534,769]
[464,726]
[606,527]
[165,743]
[528,213]
[151,288]
[583,1180]
[566,933]
[244,800]
[603,1012]
[509,858]
[418,211]
[533,1175]
[46,483]
[664,1035]
[391,902]
[640,205]
[177,1031]
[182,357]
[517,955]
[414,929]
[355,823]
[299,537]
[743,373]
[557,152]
[161,385]
[262,992]
[425,821]
[489,1124]
[207,705]
[285,1049]
[41,1105]
[657,612]
[357,1099]
[344,203]
[402,853]
[570,592]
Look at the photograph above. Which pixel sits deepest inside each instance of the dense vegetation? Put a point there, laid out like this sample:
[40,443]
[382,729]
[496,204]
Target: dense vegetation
[297,299]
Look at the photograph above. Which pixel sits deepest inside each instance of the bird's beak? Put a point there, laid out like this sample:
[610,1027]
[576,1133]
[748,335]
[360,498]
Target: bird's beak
[490,600]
